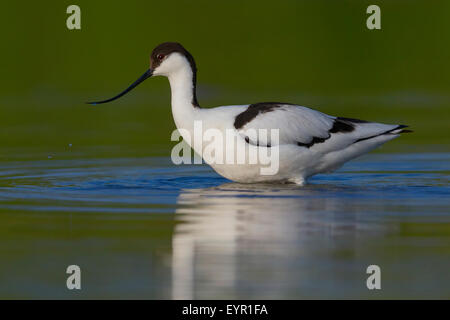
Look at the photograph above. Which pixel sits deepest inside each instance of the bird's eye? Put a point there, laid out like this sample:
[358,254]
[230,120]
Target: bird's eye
[160,56]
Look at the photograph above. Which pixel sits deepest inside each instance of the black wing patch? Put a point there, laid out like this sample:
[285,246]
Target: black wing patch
[313,142]
[352,120]
[401,126]
[247,139]
[343,125]
[253,110]
[340,125]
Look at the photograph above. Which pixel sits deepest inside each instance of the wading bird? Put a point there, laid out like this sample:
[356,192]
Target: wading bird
[308,141]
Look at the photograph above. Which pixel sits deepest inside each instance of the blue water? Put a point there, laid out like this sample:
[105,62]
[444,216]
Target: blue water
[144,228]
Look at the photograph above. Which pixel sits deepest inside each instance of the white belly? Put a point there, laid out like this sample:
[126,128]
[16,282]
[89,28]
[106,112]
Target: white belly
[231,156]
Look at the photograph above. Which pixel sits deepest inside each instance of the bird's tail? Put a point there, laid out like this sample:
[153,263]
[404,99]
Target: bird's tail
[400,129]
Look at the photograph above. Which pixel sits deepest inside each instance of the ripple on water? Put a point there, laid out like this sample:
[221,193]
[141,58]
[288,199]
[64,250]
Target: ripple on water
[147,181]
[145,228]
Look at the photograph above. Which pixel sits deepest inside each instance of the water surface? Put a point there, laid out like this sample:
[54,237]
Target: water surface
[144,228]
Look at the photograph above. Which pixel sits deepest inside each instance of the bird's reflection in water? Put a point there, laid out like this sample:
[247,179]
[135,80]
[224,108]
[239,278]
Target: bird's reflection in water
[262,241]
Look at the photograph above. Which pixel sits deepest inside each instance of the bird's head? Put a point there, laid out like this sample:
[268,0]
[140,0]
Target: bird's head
[166,59]
[170,57]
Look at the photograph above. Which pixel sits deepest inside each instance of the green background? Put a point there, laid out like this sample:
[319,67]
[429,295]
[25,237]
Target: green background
[118,218]
[314,53]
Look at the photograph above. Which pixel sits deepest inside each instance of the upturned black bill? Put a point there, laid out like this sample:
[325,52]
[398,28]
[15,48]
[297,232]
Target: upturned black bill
[146,75]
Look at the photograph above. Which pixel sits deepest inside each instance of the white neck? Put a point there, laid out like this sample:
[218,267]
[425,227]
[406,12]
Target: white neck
[182,88]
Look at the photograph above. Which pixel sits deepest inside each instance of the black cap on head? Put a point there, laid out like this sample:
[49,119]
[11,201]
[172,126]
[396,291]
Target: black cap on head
[166,48]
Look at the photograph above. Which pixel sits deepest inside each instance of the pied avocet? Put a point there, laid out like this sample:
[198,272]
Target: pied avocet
[308,142]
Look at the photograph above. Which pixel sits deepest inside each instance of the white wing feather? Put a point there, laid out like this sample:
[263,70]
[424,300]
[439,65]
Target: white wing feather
[297,124]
